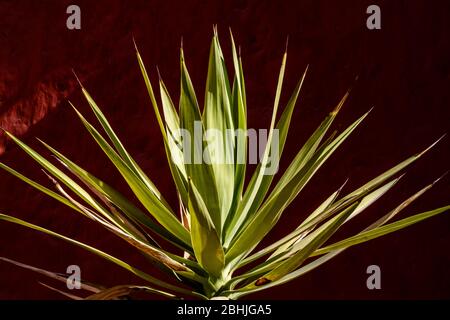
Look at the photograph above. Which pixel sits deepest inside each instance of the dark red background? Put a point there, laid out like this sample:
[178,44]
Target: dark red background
[403,69]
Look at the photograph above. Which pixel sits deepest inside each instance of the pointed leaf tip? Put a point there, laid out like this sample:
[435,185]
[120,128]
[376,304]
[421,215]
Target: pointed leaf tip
[76,77]
[159,74]
[75,109]
[134,43]
[343,185]
[307,68]
[341,103]
[440,178]
[432,145]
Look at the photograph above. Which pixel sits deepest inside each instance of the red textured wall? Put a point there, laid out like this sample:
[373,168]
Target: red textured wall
[403,70]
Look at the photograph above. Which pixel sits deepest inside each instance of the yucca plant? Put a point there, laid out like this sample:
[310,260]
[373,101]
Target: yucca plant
[214,235]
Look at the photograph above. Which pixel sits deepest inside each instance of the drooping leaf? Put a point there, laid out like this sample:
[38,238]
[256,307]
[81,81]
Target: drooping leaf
[64,293]
[102,254]
[121,291]
[53,275]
